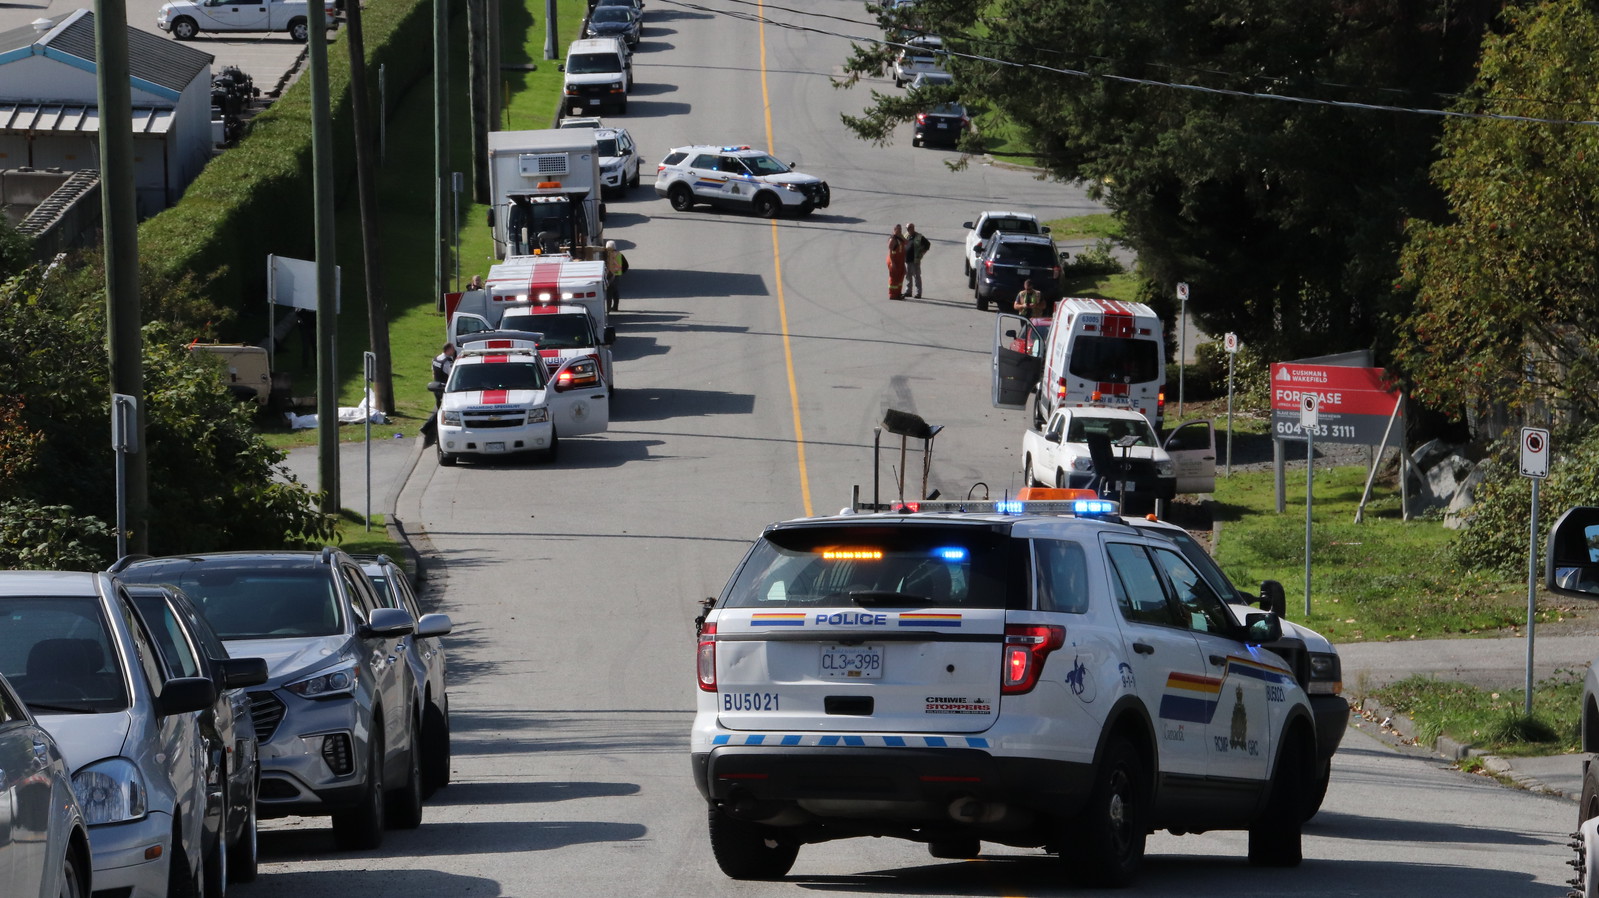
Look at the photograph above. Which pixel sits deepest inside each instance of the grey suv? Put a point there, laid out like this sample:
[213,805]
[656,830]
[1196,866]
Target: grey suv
[338,718]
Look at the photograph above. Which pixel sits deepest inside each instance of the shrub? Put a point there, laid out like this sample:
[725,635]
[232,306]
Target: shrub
[1495,537]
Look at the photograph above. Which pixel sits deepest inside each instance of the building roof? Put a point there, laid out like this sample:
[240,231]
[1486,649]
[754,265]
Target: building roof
[76,118]
[155,64]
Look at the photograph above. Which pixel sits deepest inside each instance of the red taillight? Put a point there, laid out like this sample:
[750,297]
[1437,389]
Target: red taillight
[1060,388]
[988,265]
[1056,272]
[1026,647]
[921,118]
[705,658]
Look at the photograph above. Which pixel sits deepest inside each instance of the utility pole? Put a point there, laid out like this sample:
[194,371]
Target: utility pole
[327,399]
[441,146]
[481,82]
[377,311]
[120,212]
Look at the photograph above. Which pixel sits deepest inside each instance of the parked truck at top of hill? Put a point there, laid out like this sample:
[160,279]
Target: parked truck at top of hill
[546,192]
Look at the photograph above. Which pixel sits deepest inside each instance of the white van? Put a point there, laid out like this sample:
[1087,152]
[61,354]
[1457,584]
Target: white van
[1100,352]
[599,73]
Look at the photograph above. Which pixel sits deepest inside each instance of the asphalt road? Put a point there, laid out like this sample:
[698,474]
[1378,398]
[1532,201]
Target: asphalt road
[755,358]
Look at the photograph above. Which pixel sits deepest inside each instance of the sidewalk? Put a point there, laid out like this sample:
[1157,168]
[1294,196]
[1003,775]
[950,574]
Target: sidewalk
[392,461]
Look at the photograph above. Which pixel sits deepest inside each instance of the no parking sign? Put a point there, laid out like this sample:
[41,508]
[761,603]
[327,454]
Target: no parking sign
[1534,452]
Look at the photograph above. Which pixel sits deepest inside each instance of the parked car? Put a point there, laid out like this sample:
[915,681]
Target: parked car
[941,124]
[338,719]
[619,159]
[44,843]
[426,656]
[81,657]
[615,21]
[922,55]
[187,18]
[582,121]
[190,648]
[989,223]
[1009,261]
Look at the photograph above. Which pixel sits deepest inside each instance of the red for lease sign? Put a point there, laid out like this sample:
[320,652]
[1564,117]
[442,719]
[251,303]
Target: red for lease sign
[1353,403]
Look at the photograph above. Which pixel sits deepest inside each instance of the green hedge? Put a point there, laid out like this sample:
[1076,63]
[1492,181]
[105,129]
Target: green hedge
[256,198]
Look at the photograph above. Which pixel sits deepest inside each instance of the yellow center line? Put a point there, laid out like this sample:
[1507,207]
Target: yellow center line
[782,306]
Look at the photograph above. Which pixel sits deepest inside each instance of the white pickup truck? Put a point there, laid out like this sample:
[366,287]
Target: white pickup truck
[187,18]
[1059,455]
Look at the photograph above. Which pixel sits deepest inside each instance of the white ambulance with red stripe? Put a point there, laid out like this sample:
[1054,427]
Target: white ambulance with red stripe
[560,333]
[1100,352]
[524,282]
[502,402]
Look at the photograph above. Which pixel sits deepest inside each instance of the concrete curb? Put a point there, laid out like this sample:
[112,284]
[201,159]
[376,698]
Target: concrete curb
[414,562]
[1404,728]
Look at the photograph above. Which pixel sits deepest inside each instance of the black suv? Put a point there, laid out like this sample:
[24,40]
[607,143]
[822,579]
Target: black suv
[339,719]
[1011,259]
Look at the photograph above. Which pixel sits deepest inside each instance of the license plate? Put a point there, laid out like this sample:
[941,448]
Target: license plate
[594,102]
[852,662]
[943,124]
[493,447]
[1024,272]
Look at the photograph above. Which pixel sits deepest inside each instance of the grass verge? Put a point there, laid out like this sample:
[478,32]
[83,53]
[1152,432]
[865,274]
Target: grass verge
[352,536]
[1492,721]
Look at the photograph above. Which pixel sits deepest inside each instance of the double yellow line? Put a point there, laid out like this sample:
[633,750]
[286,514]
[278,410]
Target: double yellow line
[782,305]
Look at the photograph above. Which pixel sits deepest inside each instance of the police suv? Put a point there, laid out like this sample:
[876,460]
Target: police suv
[739,177]
[950,676]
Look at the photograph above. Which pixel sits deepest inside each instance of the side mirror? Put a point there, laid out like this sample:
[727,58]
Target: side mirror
[185,695]
[1011,334]
[1261,628]
[1052,438]
[1043,229]
[1571,559]
[387,623]
[608,336]
[561,67]
[435,386]
[434,625]
[967,225]
[240,673]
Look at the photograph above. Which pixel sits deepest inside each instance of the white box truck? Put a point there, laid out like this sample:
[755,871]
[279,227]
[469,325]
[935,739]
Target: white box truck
[546,189]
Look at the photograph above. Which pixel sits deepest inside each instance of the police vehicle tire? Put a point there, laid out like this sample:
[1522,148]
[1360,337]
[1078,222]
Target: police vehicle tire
[446,459]
[681,197]
[749,850]
[299,30]
[1274,838]
[1104,846]
[634,181]
[767,206]
[183,28]
[1317,793]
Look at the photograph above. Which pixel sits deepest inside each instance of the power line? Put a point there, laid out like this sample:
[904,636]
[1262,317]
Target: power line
[1128,79]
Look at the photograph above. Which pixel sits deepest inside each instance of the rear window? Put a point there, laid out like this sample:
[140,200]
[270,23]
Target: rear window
[674,158]
[246,604]
[1034,254]
[1114,359]
[59,655]
[883,566]
[593,63]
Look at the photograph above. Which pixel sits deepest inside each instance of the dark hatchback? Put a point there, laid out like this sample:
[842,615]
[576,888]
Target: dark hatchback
[1009,261]
[941,125]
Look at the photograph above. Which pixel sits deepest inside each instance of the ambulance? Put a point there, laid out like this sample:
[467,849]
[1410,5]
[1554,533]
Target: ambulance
[525,282]
[504,401]
[1099,352]
[560,332]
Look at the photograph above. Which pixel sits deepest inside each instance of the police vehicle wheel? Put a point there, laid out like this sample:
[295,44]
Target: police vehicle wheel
[1274,838]
[767,206]
[183,28]
[1105,844]
[1317,793]
[749,850]
[681,198]
[446,459]
[634,182]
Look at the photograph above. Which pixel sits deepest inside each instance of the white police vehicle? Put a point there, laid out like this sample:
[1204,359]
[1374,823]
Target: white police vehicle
[738,177]
[952,676]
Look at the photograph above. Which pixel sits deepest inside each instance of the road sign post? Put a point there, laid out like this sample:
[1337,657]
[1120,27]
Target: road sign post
[1182,344]
[124,440]
[1231,343]
[1534,465]
[1308,413]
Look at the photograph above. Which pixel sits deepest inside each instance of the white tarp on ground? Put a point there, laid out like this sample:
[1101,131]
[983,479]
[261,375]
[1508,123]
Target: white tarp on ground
[366,411]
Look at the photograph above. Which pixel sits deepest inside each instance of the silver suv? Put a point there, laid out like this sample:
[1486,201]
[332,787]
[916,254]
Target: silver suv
[951,676]
[339,717]
[737,177]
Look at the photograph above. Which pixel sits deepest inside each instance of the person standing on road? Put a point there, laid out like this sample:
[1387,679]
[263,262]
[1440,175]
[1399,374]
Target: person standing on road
[443,363]
[1030,302]
[916,247]
[896,263]
[615,267]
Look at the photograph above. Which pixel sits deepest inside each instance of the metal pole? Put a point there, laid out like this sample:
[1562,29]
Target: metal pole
[1310,479]
[455,223]
[550,29]
[1371,475]
[383,113]
[1532,589]
[441,147]
[1230,357]
[877,465]
[369,364]
[327,384]
[1182,352]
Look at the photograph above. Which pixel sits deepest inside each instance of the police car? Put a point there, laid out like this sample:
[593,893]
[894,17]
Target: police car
[737,177]
[951,674]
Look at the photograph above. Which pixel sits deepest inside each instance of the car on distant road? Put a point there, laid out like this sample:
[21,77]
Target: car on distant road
[1009,261]
[582,121]
[738,177]
[614,21]
[338,719]
[922,55]
[425,653]
[44,844]
[941,124]
[989,223]
[80,655]
[190,648]
[187,18]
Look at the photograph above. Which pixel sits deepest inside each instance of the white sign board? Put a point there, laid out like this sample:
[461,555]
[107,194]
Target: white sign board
[1534,452]
[1231,342]
[1308,405]
[1182,291]
[292,282]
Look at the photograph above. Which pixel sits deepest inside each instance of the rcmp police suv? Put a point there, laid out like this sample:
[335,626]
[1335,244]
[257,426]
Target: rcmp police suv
[951,677]
[739,177]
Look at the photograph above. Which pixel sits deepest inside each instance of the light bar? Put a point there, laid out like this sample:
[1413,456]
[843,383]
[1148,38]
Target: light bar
[1080,508]
[951,553]
[852,554]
